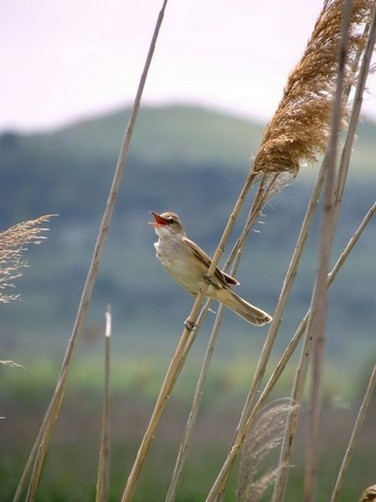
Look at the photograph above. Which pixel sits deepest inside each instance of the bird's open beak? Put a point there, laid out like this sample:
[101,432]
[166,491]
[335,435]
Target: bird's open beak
[158,220]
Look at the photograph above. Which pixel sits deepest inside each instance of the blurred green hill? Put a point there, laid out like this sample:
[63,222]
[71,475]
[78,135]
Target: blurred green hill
[190,160]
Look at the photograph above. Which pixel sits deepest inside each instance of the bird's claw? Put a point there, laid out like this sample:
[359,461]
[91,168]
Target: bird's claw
[208,279]
[189,325]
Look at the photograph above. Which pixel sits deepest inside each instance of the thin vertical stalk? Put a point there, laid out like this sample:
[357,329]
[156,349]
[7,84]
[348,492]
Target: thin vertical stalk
[41,444]
[286,289]
[317,322]
[357,105]
[217,488]
[235,256]
[103,478]
[354,436]
[301,370]
[188,335]
[183,449]
[296,395]
[186,339]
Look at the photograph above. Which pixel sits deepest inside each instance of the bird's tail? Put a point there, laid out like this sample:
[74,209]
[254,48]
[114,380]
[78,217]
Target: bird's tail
[241,307]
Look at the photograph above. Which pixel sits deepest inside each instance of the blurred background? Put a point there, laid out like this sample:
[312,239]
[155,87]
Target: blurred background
[70,72]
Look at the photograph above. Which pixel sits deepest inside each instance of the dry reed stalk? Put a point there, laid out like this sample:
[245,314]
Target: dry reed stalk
[286,289]
[267,188]
[183,448]
[191,329]
[191,421]
[312,106]
[299,129]
[354,59]
[103,478]
[354,436]
[12,245]
[369,36]
[172,374]
[278,118]
[248,420]
[344,165]
[40,447]
[292,422]
[250,407]
[316,327]
[188,335]
[301,370]
[334,182]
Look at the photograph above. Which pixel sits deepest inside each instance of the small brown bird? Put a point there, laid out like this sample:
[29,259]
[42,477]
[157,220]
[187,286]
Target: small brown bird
[369,494]
[188,264]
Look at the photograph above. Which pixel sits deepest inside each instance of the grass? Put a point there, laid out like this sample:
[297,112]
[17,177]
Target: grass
[72,459]
[229,377]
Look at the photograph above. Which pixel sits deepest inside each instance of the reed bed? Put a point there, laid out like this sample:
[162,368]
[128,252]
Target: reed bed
[305,128]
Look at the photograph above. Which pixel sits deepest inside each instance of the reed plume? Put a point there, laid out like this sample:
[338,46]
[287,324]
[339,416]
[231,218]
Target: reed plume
[12,245]
[299,129]
[262,439]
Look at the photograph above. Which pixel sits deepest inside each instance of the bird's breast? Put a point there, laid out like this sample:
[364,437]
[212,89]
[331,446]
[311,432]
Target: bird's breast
[179,262]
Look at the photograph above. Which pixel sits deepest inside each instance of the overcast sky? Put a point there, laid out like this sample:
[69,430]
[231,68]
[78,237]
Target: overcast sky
[64,60]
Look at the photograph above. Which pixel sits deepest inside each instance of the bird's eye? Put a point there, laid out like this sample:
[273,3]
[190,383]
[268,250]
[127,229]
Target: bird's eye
[171,220]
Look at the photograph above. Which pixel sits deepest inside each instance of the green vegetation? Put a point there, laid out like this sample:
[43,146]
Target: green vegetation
[189,160]
[192,161]
[71,465]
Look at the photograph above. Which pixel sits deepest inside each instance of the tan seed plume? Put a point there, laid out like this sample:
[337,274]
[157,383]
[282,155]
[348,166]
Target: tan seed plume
[12,245]
[299,129]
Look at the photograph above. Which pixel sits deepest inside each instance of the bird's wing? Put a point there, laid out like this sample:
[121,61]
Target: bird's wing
[222,276]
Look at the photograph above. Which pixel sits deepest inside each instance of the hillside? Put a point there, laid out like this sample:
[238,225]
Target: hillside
[190,160]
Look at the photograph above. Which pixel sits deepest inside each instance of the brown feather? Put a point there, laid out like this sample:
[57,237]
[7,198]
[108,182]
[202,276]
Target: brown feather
[225,279]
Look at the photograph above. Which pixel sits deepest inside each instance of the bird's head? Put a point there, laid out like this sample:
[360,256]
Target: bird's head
[167,224]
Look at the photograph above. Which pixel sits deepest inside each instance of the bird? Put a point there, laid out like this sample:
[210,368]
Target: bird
[188,264]
[369,494]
